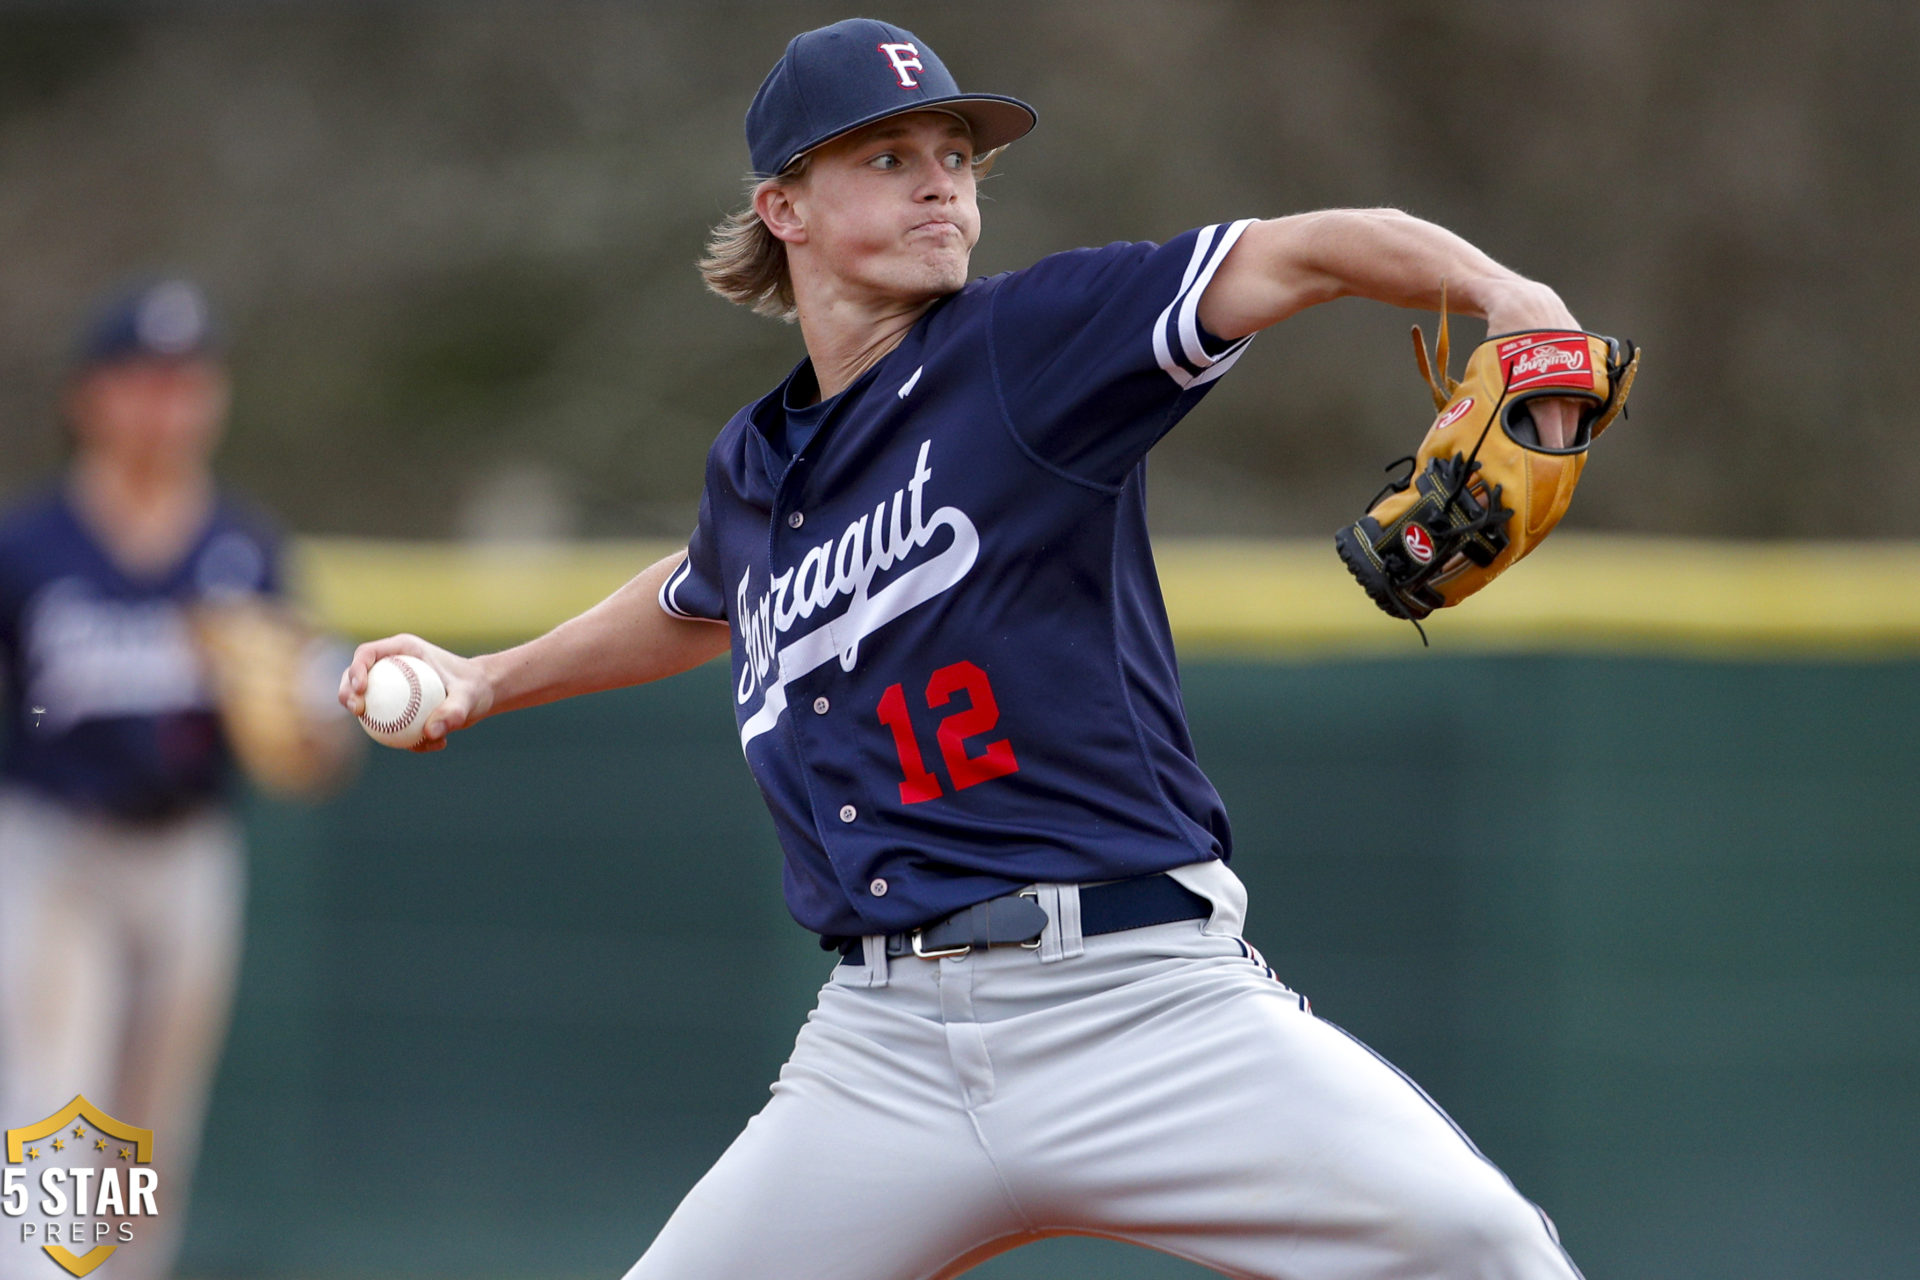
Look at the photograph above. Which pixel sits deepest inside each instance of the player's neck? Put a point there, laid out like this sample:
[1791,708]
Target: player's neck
[845,338]
[145,513]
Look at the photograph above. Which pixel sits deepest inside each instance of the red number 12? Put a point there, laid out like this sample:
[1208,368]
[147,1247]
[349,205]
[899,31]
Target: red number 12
[981,713]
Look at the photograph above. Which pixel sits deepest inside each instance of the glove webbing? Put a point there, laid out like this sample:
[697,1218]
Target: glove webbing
[1492,512]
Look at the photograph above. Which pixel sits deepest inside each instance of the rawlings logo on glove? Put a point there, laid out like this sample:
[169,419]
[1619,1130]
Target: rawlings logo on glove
[1530,363]
[1483,491]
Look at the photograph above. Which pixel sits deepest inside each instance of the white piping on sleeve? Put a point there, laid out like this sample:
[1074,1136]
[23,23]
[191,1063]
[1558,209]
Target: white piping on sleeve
[1192,366]
[669,591]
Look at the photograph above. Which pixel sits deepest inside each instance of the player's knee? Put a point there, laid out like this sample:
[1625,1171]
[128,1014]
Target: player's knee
[1483,1227]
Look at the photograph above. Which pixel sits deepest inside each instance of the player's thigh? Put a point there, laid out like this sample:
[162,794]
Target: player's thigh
[63,990]
[862,1165]
[1340,1166]
[795,1199]
[189,930]
[1261,1140]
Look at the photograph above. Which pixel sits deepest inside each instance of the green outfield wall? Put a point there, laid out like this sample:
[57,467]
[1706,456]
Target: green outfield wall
[1645,925]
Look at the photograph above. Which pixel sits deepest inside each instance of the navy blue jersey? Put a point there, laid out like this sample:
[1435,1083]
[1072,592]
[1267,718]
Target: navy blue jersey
[107,708]
[953,673]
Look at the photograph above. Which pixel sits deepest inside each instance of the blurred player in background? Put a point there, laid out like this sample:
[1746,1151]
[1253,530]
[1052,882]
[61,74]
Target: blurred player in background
[121,863]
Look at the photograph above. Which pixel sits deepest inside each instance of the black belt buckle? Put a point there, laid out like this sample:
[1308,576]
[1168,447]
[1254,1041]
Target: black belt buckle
[981,925]
[1035,895]
[920,950]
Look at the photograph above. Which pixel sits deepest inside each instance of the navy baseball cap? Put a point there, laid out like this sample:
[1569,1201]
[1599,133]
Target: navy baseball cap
[846,76]
[156,320]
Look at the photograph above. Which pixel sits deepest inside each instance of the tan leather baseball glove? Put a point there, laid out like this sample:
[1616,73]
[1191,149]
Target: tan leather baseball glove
[271,677]
[1482,491]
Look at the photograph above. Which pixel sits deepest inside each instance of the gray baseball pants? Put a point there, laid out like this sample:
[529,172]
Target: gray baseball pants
[1157,1086]
[118,951]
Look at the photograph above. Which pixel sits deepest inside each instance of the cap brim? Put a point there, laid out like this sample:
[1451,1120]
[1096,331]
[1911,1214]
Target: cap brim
[995,120]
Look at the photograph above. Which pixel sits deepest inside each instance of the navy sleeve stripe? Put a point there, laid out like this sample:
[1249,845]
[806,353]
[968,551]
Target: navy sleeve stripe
[1177,344]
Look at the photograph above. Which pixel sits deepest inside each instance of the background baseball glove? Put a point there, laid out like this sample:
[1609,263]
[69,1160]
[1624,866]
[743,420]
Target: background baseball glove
[273,680]
[1476,499]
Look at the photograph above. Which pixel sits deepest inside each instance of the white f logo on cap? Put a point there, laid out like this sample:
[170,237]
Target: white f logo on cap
[905,59]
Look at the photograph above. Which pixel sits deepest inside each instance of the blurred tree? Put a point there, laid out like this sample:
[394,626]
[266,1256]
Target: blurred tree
[465,233]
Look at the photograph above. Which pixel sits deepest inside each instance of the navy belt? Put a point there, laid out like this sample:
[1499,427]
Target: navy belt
[1016,918]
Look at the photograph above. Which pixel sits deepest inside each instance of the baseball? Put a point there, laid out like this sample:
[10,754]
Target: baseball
[401,693]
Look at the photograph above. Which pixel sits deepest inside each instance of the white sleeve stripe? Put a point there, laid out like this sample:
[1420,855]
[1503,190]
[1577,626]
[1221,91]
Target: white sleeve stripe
[670,588]
[1225,362]
[1190,307]
[1200,247]
[1161,351]
[1191,363]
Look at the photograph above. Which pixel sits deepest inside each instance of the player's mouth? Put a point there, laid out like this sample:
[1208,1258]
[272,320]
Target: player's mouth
[935,227]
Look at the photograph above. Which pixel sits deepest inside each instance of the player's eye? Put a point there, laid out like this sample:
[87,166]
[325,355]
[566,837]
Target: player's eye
[957,160]
[885,160]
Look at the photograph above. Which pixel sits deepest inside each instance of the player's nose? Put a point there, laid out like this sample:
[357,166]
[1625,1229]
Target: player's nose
[939,185]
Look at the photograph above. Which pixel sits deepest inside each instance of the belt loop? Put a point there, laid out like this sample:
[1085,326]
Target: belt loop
[1062,940]
[1048,897]
[1215,881]
[1072,942]
[874,948]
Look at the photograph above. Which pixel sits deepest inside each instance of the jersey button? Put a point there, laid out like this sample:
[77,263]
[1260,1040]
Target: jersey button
[878,888]
[848,813]
[820,706]
[795,520]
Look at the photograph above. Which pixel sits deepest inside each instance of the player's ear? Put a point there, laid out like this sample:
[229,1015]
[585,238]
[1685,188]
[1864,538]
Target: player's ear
[774,201]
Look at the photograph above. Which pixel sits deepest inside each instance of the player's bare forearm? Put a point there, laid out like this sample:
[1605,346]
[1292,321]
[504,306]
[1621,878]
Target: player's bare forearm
[1283,266]
[626,639]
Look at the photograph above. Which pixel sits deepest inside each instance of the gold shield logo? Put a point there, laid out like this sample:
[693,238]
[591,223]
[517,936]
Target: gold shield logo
[108,1178]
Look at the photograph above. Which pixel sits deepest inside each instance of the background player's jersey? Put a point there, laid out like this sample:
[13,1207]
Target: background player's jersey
[953,674]
[107,709]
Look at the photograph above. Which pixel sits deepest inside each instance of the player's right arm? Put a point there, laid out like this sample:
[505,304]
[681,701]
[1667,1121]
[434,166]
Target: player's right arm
[1282,266]
[626,639]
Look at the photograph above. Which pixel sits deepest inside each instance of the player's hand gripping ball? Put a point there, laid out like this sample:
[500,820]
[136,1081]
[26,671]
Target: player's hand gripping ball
[401,693]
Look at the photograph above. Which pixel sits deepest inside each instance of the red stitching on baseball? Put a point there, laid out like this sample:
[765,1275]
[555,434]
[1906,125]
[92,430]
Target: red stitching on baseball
[406,716]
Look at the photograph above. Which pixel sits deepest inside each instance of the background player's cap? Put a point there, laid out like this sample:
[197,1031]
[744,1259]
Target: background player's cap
[843,77]
[154,320]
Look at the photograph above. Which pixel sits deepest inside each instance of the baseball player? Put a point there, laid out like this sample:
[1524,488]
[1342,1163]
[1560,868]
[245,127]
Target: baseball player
[121,874]
[954,682]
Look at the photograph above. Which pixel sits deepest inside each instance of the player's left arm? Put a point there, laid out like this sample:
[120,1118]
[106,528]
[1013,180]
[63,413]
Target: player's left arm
[1282,266]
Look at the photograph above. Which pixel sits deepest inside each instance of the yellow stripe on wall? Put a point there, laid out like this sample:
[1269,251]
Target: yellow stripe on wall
[1584,593]
[466,595]
[1577,593]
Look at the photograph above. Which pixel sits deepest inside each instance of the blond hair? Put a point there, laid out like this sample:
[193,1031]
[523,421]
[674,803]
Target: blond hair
[746,263]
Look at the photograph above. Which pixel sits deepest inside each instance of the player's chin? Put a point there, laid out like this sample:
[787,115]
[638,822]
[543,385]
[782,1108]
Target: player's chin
[936,274]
